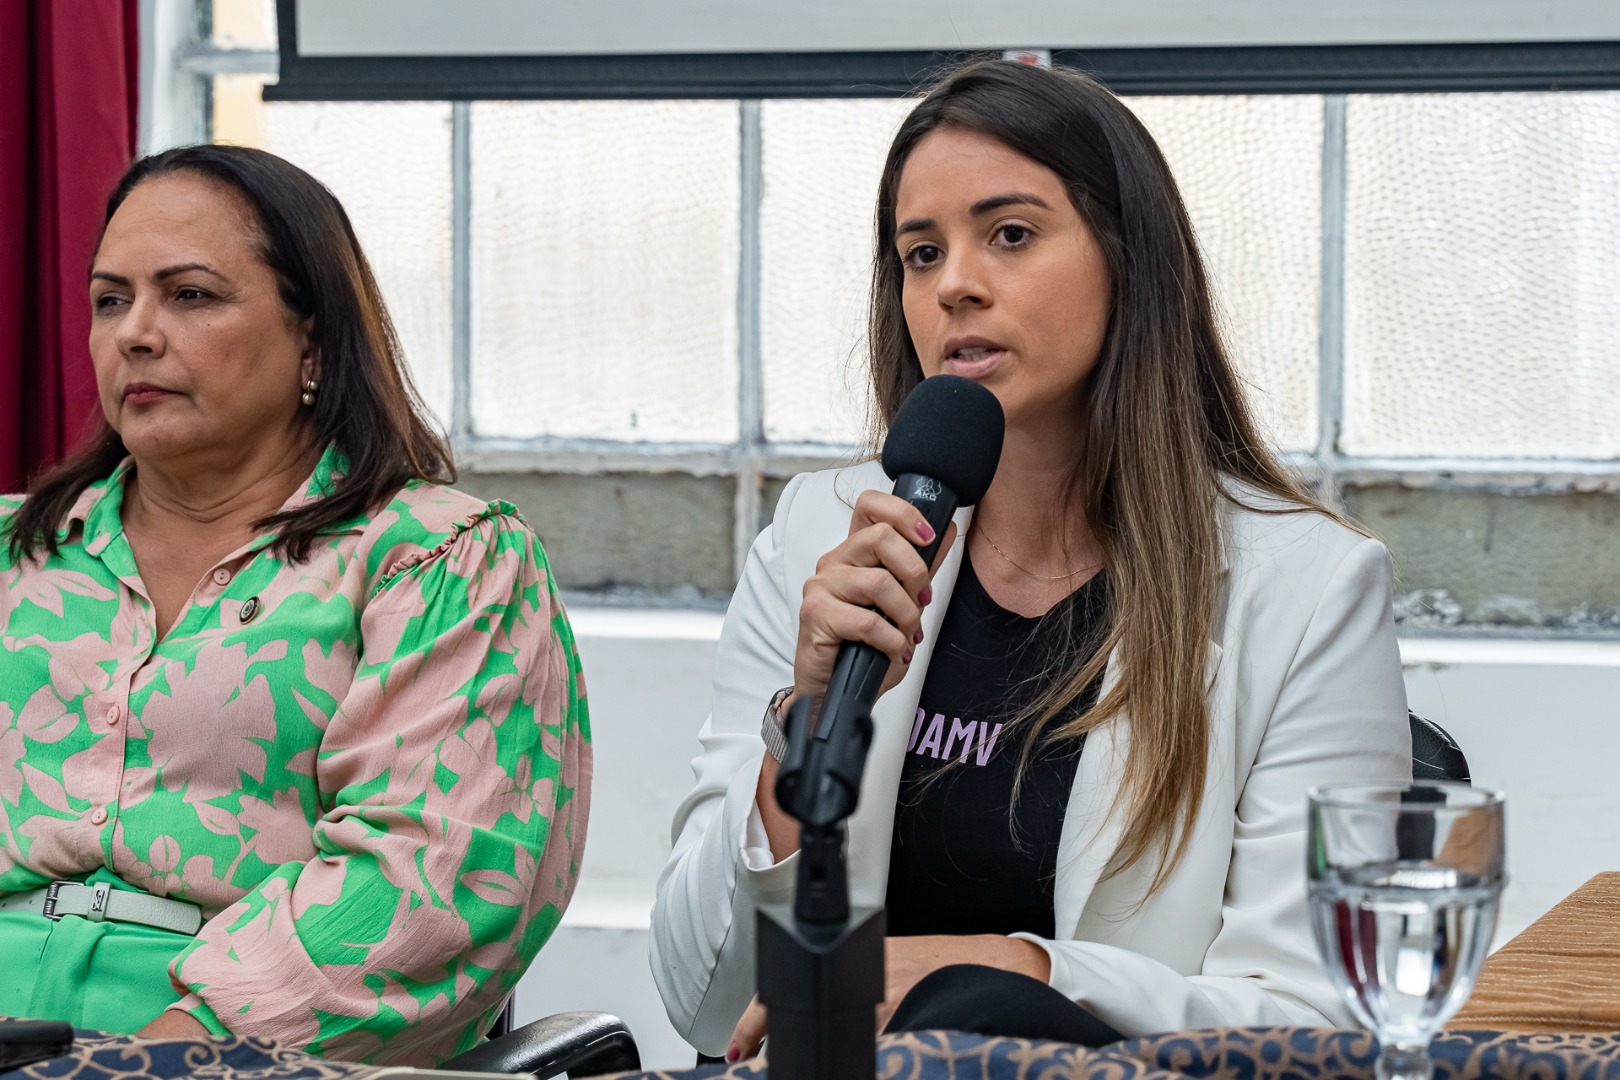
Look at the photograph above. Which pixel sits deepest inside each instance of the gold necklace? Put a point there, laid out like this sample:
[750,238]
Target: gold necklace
[1012,562]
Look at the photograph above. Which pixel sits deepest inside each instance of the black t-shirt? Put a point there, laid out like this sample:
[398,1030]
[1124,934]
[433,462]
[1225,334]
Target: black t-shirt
[960,864]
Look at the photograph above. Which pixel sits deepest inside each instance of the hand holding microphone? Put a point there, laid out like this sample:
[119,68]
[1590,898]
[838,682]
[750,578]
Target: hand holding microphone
[871,588]
[861,616]
[862,611]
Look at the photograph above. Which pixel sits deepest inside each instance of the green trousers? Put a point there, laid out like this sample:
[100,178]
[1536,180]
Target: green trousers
[102,975]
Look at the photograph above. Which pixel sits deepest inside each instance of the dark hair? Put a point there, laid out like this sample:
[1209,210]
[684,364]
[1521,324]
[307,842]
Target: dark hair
[367,407]
[1166,428]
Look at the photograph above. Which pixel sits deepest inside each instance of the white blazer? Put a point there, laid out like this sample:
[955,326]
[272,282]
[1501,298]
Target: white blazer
[1306,689]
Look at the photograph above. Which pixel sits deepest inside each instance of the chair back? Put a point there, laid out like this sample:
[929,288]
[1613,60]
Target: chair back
[1435,754]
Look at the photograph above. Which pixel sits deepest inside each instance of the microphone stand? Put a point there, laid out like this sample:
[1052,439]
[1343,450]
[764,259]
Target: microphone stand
[820,964]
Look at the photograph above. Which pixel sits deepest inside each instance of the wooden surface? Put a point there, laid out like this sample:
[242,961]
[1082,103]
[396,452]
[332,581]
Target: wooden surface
[1561,974]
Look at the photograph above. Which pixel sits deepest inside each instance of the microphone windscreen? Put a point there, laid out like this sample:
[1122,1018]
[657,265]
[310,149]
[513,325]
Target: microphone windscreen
[949,428]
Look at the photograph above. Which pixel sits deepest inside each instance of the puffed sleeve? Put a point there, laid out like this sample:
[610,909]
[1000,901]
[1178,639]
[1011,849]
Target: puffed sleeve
[455,783]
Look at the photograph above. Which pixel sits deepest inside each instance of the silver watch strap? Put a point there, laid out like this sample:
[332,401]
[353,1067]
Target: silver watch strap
[772,728]
[101,902]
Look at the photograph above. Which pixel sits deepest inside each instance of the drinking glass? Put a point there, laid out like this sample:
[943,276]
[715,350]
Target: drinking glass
[1404,881]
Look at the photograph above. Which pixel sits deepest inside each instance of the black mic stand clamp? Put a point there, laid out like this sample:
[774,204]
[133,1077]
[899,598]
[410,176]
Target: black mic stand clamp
[820,964]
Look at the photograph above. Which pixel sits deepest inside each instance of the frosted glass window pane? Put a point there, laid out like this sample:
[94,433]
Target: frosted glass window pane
[1250,172]
[1482,256]
[821,165]
[389,164]
[604,258]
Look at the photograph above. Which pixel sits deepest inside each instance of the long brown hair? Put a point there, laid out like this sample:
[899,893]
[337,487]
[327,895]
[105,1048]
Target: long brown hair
[367,407]
[1166,427]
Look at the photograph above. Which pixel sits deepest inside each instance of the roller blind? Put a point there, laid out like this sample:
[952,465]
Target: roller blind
[469,49]
[618,27]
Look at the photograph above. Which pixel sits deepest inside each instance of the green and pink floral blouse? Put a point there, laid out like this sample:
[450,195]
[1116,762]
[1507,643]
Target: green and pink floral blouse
[371,769]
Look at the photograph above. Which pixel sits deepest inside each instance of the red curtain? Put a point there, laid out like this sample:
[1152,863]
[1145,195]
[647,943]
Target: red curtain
[69,72]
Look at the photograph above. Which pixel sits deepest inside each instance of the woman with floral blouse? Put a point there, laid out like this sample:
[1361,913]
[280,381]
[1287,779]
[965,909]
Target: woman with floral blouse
[297,732]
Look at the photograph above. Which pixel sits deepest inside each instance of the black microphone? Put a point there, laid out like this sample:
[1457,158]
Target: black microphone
[941,452]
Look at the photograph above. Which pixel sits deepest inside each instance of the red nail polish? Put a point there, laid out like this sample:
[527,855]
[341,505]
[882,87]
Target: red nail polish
[916,639]
[926,595]
[906,659]
[732,1054]
[925,532]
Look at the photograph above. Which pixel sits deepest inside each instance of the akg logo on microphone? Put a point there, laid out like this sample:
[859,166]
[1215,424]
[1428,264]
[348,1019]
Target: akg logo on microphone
[928,490]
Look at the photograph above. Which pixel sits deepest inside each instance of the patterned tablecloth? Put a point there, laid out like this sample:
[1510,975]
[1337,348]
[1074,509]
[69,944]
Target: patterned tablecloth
[1243,1054]
[99,1056]
[1233,1054]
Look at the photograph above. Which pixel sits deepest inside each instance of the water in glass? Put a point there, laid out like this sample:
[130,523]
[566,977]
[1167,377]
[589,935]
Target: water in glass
[1403,941]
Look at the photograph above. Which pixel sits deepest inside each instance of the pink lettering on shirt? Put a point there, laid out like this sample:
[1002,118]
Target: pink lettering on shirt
[916,728]
[986,746]
[936,731]
[965,740]
[967,730]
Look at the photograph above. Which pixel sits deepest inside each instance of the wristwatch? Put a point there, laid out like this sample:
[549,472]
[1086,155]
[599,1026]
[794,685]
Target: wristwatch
[773,728]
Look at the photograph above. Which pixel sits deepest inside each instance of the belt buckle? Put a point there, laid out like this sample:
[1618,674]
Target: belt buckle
[51,892]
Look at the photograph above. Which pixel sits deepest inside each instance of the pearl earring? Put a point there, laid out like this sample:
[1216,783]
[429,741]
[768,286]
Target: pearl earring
[308,396]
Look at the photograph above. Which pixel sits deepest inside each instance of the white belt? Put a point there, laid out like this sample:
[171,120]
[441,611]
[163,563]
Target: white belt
[103,902]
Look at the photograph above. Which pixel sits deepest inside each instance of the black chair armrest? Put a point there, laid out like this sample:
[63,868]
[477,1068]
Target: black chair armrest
[578,1043]
[1435,754]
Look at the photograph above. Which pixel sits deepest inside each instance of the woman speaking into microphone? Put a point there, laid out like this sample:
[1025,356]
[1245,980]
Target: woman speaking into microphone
[1084,802]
